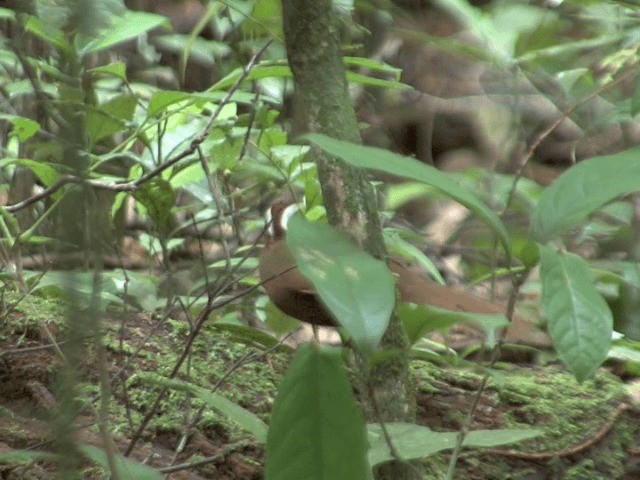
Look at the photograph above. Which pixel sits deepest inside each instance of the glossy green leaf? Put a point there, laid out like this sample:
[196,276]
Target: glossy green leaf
[578,319]
[394,164]
[159,101]
[117,69]
[419,320]
[130,25]
[110,117]
[416,441]
[410,441]
[581,190]
[316,430]
[23,128]
[48,33]
[128,469]
[358,289]
[45,172]
[495,438]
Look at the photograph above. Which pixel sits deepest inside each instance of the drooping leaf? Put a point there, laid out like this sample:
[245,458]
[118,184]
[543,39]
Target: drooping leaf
[578,319]
[128,469]
[243,417]
[357,288]
[581,190]
[124,27]
[394,164]
[316,430]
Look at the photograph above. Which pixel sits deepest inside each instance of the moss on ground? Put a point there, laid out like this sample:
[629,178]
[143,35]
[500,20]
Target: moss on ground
[548,399]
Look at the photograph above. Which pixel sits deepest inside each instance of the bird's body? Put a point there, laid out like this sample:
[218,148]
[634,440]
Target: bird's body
[292,293]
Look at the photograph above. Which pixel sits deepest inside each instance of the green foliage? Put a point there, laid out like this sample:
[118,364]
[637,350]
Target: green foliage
[126,468]
[415,441]
[388,162]
[357,288]
[316,430]
[583,189]
[579,320]
[230,410]
[112,136]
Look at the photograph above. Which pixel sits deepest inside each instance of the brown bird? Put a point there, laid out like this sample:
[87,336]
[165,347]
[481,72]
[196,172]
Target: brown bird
[292,293]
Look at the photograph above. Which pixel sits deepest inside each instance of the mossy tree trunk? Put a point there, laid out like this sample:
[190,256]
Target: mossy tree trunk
[323,105]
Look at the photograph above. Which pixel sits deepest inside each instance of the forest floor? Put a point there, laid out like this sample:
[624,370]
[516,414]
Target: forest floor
[590,430]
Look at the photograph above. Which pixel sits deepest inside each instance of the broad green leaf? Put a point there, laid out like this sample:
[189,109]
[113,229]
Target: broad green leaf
[581,190]
[495,438]
[316,430]
[243,417]
[265,20]
[415,441]
[127,468]
[44,171]
[130,25]
[110,117]
[90,17]
[409,440]
[357,289]
[159,101]
[625,354]
[48,33]
[578,319]
[262,70]
[117,69]
[419,320]
[23,128]
[394,164]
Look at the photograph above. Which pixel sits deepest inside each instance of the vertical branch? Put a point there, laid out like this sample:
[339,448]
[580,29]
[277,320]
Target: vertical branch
[322,105]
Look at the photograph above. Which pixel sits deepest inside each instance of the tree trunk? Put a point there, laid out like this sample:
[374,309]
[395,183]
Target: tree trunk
[323,105]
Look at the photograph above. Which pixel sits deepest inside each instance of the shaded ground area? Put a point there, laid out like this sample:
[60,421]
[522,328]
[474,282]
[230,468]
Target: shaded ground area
[589,430]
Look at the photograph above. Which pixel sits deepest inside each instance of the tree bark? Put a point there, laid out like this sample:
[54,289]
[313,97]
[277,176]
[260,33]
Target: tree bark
[323,105]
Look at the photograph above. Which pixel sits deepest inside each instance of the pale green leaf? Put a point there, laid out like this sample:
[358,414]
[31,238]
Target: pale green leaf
[583,189]
[356,288]
[579,321]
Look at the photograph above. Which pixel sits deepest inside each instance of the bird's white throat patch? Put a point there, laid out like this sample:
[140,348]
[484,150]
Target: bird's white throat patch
[283,221]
